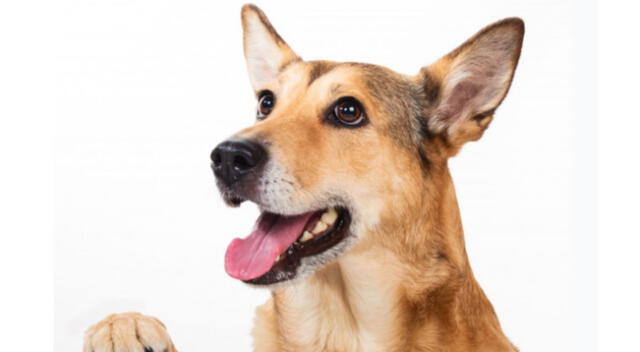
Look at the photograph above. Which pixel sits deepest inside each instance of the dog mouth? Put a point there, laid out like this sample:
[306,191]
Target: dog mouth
[274,250]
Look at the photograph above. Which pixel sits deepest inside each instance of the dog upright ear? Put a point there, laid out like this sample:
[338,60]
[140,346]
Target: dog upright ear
[265,51]
[465,87]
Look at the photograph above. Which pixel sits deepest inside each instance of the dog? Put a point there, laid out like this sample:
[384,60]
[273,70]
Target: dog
[359,238]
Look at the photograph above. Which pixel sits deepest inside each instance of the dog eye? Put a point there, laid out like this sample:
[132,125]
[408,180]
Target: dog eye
[348,111]
[266,103]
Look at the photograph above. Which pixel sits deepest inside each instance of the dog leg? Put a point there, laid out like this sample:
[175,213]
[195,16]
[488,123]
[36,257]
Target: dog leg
[128,332]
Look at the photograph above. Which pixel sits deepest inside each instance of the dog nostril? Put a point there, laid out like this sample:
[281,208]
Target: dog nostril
[240,163]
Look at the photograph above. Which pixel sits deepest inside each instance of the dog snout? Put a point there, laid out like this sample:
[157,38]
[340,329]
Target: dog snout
[234,159]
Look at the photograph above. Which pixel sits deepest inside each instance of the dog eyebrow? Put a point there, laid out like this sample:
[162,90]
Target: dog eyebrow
[318,69]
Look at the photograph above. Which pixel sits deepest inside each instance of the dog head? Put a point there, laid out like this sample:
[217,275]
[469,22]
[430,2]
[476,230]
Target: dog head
[337,146]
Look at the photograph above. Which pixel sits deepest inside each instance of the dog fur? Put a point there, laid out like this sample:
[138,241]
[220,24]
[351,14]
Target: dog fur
[402,280]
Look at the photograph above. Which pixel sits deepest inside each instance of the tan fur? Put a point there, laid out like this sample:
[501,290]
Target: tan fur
[397,290]
[406,284]
[127,332]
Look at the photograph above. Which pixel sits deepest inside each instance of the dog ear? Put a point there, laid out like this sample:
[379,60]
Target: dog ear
[465,87]
[265,51]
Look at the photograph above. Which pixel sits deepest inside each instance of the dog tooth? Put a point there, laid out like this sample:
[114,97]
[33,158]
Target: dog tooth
[306,236]
[278,257]
[330,216]
[320,226]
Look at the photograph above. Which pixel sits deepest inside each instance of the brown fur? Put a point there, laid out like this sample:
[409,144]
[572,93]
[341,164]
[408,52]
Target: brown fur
[406,285]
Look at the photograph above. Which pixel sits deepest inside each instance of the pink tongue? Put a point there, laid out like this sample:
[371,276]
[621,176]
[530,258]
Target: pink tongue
[272,234]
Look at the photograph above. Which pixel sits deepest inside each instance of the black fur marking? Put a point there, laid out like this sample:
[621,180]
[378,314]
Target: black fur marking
[431,86]
[267,24]
[424,131]
[481,116]
[318,69]
[425,163]
[288,63]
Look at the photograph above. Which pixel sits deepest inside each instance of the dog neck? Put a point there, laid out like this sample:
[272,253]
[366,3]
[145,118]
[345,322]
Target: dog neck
[406,286]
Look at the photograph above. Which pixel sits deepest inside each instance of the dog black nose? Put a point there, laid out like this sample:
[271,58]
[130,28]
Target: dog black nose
[233,159]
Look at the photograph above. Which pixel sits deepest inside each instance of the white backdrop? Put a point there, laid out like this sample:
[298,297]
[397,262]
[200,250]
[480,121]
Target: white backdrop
[147,88]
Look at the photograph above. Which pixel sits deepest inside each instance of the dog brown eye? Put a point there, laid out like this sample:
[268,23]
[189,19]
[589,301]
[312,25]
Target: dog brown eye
[265,104]
[349,111]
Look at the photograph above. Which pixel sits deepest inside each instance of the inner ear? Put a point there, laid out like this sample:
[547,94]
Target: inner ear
[469,83]
[266,53]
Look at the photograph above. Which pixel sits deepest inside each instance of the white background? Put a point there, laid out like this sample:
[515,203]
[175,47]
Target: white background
[141,227]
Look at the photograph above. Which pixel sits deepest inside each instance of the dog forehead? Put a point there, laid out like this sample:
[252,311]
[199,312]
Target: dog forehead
[368,81]
[305,77]
[313,85]
[392,100]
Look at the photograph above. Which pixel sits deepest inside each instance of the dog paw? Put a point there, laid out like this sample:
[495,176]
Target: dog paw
[128,332]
